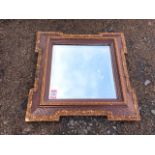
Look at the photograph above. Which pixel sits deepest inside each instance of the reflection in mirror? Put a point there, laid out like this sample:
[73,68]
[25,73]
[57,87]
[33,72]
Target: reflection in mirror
[81,72]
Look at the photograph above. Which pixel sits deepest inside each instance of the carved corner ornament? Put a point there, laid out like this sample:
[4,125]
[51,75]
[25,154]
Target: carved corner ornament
[40,108]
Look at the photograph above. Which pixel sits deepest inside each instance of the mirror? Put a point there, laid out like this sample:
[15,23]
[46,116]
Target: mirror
[81,75]
[81,72]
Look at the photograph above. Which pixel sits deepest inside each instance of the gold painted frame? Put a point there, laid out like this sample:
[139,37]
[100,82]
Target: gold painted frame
[41,109]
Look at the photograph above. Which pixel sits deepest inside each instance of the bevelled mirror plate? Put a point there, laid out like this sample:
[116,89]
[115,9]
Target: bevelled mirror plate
[81,75]
[81,72]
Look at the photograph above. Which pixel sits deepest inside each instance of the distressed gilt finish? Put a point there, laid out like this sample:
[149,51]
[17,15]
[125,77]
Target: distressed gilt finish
[39,109]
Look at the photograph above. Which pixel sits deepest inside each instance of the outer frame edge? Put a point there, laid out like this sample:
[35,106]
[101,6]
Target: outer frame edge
[55,117]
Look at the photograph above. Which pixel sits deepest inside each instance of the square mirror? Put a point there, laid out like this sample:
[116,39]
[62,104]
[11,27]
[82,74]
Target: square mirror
[81,75]
[81,72]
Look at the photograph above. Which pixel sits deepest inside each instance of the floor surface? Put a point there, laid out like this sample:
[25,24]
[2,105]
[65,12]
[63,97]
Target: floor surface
[17,70]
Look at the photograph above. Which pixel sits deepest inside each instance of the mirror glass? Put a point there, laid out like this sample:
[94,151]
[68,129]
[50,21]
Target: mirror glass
[81,72]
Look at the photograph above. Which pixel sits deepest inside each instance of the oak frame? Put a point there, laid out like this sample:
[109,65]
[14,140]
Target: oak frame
[42,109]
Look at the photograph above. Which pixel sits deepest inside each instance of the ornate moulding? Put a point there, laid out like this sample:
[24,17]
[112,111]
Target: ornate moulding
[122,108]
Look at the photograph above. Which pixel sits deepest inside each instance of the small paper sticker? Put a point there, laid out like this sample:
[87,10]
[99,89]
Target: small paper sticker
[53,94]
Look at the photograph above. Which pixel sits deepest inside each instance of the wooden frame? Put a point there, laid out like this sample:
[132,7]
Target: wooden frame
[40,108]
